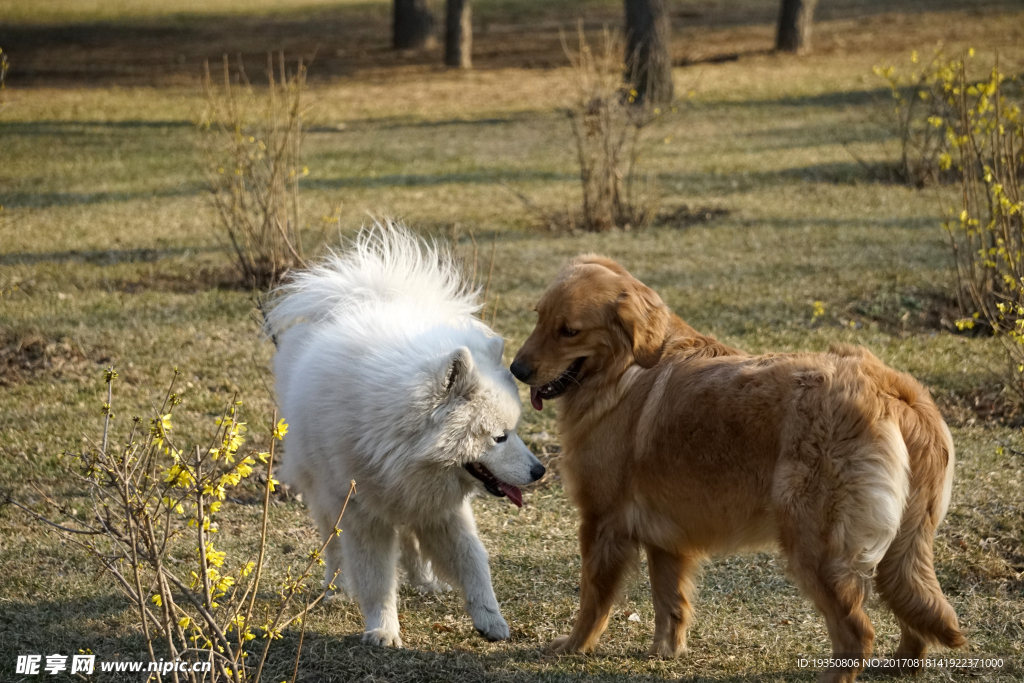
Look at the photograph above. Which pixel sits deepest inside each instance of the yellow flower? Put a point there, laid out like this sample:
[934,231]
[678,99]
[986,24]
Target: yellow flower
[280,430]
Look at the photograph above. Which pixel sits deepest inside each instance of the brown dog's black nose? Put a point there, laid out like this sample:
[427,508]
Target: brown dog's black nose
[520,370]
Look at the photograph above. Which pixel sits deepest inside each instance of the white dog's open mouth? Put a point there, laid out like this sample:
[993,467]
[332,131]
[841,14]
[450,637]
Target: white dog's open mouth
[495,486]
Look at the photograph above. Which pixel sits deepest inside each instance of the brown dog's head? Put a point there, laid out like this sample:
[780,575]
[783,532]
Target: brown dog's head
[595,317]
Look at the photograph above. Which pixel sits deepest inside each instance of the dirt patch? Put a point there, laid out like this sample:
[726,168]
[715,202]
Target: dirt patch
[27,357]
[912,310]
[571,221]
[686,216]
[990,403]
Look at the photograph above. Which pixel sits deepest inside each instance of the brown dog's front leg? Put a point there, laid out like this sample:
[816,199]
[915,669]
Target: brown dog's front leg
[605,556]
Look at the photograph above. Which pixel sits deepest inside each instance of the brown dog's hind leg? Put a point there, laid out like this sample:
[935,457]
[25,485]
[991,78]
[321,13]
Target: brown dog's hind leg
[907,583]
[838,592]
[605,558]
[672,588]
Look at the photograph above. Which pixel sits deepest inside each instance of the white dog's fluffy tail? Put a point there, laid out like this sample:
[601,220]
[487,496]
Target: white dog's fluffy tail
[385,262]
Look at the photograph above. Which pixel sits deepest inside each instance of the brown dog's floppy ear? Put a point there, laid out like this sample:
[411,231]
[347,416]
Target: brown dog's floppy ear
[645,317]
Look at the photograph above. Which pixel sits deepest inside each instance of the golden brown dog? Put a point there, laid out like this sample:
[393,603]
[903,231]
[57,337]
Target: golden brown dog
[678,443]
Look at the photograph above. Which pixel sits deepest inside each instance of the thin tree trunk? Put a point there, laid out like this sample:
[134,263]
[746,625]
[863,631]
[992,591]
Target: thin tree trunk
[796,17]
[458,38]
[413,25]
[648,62]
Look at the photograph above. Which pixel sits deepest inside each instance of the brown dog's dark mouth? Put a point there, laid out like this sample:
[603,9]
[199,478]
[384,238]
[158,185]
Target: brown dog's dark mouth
[495,486]
[557,386]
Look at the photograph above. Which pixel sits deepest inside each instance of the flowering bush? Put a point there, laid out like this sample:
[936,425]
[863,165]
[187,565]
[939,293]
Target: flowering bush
[156,501]
[922,107]
[986,133]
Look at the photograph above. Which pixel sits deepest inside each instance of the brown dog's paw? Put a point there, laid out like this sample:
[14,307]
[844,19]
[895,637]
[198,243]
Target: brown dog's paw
[664,650]
[560,646]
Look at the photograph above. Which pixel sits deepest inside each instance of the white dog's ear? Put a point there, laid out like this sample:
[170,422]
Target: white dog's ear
[457,377]
[495,348]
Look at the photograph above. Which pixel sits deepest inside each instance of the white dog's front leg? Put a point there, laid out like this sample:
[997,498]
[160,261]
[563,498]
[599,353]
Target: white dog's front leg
[371,555]
[456,551]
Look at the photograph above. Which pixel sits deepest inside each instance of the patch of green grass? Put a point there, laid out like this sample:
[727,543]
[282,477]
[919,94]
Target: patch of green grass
[107,230]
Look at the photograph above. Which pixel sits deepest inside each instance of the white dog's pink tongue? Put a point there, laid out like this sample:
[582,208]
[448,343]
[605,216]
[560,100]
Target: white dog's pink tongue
[513,493]
[535,400]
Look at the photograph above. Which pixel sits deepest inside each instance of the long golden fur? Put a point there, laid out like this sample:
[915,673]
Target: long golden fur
[687,447]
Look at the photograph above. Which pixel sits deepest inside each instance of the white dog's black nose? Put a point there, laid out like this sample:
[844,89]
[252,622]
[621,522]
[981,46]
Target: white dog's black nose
[537,471]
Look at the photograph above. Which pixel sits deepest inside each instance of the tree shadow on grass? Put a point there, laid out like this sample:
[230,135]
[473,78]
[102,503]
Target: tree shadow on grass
[330,659]
[351,37]
[102,257]
[99,624]
[718,184]
[45,200]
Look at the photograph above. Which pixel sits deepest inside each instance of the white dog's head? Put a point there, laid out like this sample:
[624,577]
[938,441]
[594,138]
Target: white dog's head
[477,408]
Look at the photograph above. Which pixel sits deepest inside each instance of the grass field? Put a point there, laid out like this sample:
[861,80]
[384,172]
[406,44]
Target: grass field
[108,235]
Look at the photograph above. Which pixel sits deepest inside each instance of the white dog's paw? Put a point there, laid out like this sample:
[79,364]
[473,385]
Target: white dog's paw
[491,626]
[382,638]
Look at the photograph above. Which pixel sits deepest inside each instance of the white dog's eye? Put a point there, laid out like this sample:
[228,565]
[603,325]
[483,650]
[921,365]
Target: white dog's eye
[500,437]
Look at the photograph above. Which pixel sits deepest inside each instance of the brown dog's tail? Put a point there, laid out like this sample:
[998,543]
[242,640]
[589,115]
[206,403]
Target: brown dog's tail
[906,575]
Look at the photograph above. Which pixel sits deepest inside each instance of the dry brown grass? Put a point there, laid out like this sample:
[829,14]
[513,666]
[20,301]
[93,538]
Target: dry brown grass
[112,217]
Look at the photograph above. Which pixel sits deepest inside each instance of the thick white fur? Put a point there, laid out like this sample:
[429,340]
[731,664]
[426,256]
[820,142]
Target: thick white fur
[386,378]
[881,484]
[947,482]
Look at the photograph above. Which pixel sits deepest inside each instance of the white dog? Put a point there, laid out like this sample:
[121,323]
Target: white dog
[386,378]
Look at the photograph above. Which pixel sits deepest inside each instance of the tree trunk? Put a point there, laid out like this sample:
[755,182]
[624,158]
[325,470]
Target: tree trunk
[648,63]
[458,37]
[795,20]
[414,25]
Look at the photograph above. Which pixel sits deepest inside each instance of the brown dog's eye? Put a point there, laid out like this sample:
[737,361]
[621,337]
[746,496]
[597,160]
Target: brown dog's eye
[568,331]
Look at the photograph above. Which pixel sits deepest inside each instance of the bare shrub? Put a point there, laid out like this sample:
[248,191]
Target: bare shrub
[608,127]
[253,142]
[151,524]
[986,130]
